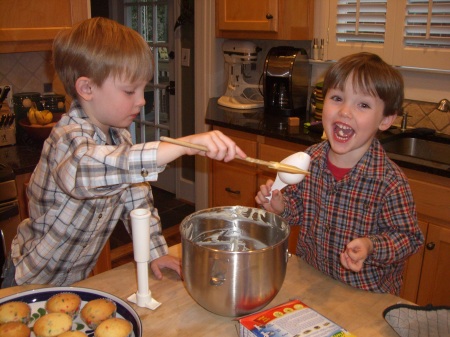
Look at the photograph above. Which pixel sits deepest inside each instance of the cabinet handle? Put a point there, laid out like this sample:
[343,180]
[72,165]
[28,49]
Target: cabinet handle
[269,16]
[231,191]
[430,245]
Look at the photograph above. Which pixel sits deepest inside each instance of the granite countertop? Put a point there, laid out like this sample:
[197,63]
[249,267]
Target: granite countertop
[21,158]
[257,122]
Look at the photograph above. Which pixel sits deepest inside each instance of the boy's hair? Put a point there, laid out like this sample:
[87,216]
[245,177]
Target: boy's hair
[371,75]
[100,47]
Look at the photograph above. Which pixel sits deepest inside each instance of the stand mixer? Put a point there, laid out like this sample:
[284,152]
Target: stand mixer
[239,93]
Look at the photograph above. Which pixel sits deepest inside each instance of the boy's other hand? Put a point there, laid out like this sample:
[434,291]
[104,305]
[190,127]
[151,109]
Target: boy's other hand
[356,253]
[166,261]
[276,203]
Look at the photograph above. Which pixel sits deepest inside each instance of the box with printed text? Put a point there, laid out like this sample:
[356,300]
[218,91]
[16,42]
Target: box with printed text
[293,318]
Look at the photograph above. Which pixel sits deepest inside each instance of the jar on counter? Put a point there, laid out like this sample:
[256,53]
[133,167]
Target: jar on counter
[54,102]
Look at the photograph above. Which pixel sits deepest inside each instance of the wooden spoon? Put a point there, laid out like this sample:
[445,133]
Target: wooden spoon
[270,164]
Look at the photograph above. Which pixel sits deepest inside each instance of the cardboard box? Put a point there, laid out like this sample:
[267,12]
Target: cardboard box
[293,318]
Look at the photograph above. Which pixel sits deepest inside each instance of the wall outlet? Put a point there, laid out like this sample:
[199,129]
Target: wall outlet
[185,57]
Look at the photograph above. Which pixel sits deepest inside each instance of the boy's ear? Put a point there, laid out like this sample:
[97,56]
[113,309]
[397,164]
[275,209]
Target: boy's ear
[386,122]
[83,87]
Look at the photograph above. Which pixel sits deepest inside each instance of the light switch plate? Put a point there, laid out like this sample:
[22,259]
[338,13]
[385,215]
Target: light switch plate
[185,56]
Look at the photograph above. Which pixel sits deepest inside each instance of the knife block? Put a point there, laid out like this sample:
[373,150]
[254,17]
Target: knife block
[7,134]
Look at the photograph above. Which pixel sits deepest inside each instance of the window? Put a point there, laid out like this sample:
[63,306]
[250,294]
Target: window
[411,33]
[424,34]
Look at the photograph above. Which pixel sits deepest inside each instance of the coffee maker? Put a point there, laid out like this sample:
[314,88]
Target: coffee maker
[287,74]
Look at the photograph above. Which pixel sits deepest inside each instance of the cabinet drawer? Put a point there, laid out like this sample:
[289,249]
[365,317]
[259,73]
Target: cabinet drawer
[233,185]
[279,152]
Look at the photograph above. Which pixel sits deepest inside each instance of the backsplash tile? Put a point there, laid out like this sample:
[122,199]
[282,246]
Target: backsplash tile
[29,72]
[26,71]
[425,115]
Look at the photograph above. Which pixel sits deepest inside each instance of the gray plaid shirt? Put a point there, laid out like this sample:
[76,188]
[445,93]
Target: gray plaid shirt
[77,193]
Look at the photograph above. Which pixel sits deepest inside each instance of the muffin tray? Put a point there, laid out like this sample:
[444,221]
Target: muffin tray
[37,298]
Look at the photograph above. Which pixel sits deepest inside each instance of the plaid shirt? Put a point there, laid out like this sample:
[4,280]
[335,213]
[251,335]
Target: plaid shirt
[373,200]
[77,193]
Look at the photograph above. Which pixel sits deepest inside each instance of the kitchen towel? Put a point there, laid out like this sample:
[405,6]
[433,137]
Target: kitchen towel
[416,321]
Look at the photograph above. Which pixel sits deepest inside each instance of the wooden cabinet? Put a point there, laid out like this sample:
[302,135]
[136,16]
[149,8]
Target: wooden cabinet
[427,272]
[265,19]
[21,186]
[32,25]
[234,183]
[436,267]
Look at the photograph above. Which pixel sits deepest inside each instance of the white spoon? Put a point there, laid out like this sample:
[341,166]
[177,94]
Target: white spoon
[300,160]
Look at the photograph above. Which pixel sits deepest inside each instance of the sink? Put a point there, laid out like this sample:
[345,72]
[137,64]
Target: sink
[431,149]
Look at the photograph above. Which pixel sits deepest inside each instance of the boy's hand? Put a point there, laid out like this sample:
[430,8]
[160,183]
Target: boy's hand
[356,253]
[220,146]
[276,204]
[166,261]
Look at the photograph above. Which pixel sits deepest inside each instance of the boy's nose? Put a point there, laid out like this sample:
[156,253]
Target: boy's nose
[140,101]
[345,112]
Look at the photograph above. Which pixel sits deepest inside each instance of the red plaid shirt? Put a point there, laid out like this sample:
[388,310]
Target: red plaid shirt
[373,200]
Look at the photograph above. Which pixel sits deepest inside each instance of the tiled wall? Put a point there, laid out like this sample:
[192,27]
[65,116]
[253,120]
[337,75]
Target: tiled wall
[29,71]
[426,115]
[26,71]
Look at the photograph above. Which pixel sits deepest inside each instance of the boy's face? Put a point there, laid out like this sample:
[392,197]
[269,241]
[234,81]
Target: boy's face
[116,103]
[351,120]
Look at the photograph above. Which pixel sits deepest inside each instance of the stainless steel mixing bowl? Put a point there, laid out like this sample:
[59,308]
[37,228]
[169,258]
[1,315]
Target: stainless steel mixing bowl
[234,258]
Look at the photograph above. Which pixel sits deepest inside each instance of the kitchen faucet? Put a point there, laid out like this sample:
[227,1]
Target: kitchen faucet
[443,105]
[404,121]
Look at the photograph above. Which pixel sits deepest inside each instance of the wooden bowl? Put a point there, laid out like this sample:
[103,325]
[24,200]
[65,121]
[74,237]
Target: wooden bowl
[39,132]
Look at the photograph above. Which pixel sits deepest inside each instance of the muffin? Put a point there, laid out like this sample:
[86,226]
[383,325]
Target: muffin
[97,311]
[114,327]
[73,334]
[52,324]
[14,329]
[67,303]
[15,312]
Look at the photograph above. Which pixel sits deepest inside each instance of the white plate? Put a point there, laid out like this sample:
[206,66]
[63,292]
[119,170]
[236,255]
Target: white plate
[37,298]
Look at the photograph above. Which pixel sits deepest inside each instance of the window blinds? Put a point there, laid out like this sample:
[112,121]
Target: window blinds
[361,21]
[427,24]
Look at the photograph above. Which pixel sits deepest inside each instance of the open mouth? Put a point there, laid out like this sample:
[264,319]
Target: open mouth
[343,132]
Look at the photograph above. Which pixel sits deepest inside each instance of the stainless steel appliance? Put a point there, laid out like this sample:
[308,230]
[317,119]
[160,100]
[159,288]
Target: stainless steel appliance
[9,210]
[287,74]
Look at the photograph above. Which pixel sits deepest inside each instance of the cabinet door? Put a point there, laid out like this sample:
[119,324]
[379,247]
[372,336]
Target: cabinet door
[434,287]
[252,15]
[413,269]
[233,185]
[32,25]
[265,19]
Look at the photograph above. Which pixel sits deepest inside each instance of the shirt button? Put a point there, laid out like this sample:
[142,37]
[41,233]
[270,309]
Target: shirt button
[100,216]
[144,172]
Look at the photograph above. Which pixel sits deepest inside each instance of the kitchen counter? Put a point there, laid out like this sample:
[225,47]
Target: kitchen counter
[21,158]
[358,311]
[255,121]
